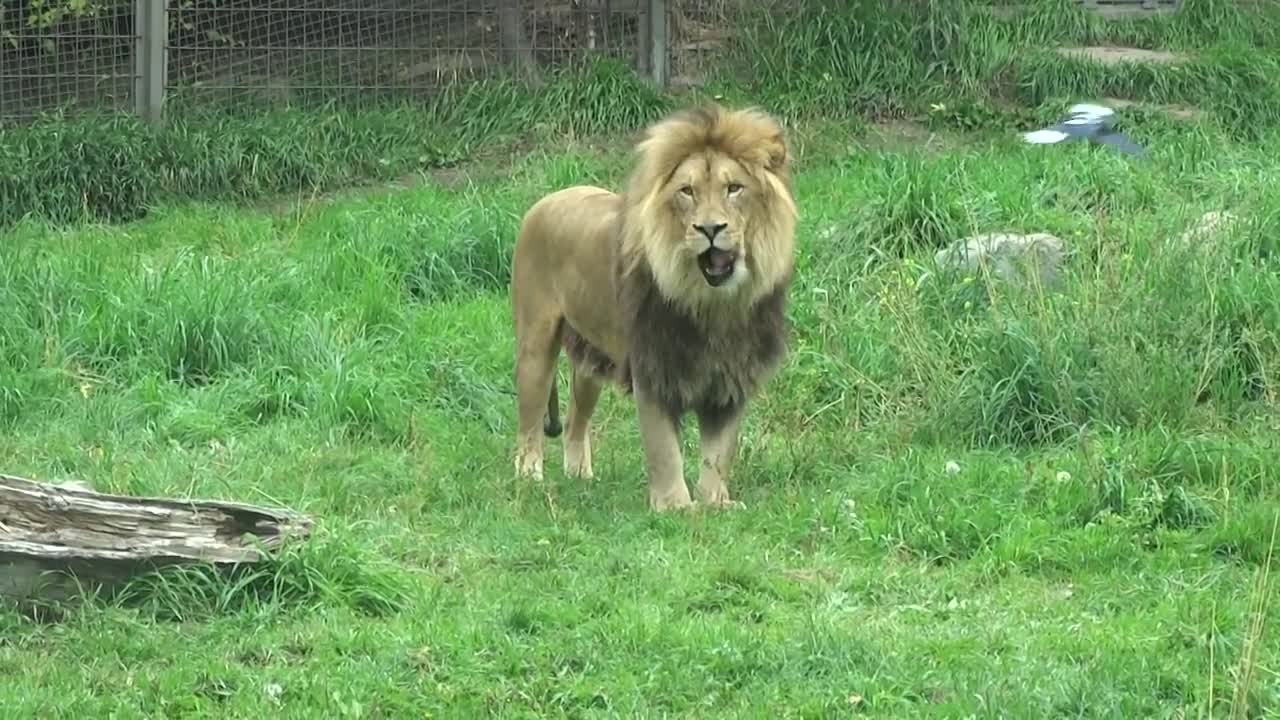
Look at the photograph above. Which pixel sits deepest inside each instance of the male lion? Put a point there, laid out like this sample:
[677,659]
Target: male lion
[675,289]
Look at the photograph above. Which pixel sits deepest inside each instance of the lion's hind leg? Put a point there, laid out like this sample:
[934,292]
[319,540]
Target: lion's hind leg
[591,369]
[583,395]
[537,347]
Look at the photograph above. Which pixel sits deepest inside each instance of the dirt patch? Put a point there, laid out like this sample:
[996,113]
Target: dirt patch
[1157,8]
[1114,55]
[450,177]
[900,132]
[1189,113]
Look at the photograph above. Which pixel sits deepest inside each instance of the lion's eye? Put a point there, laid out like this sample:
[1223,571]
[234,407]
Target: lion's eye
[734,188]
[687,191]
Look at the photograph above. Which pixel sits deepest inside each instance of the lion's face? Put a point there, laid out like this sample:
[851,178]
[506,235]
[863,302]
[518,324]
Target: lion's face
[710,210]
[709,195]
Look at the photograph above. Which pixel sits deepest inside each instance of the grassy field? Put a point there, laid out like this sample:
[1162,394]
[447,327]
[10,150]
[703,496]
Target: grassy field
[1102,550]
[352,358]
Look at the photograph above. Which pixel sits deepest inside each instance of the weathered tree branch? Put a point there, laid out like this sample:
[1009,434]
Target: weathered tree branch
[101,539]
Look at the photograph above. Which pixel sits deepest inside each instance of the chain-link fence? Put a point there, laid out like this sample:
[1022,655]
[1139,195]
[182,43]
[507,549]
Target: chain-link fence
[122,54]
[62,53]
[375,47]
[118,54]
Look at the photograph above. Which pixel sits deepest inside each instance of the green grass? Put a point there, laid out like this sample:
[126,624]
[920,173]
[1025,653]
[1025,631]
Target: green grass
[1095,556]
[1102,550]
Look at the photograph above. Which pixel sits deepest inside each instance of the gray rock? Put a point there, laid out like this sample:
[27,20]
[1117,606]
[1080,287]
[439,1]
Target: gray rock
[1021,259]
[1209,229]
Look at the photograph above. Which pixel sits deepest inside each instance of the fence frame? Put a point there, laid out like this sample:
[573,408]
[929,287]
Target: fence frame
[150,58]
[659,42]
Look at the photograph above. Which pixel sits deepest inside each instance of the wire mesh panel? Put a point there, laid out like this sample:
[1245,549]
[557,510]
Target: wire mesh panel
[65,55]
[699,31]
[326,49]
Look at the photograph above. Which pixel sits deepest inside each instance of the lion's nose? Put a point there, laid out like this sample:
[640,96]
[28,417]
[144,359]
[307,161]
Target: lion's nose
[710,230]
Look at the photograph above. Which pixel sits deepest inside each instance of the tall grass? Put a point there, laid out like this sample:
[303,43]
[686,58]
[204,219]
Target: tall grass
[94,167]
[846,59]
[1168,335]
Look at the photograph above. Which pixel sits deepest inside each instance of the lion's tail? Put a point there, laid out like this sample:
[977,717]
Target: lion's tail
[551,421]
[551,426]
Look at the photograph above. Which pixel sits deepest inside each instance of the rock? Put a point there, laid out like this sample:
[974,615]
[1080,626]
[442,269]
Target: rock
[1013,257]
[1209,228]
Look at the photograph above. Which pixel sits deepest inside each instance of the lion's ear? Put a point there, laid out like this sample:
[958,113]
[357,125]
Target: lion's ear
[776,149]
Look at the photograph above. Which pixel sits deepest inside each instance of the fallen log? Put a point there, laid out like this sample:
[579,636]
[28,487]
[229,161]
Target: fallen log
[59,540]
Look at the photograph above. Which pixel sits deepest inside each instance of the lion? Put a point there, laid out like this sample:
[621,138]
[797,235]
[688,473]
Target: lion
[674,289]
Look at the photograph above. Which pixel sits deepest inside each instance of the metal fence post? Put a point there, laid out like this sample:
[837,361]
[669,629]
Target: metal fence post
[658,41]
[151,25]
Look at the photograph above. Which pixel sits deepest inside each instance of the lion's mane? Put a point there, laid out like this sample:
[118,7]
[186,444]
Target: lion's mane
[694,346]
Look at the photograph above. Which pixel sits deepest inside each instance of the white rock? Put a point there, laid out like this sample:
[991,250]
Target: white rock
[1209,228]
[1008,255]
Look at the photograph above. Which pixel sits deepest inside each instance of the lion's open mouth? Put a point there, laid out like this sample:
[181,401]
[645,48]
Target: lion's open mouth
[717,265]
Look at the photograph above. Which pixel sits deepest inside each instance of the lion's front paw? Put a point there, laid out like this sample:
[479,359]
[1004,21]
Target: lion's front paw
[529,467]
[581,470]
[577,462]
[717,496]
[677,499]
